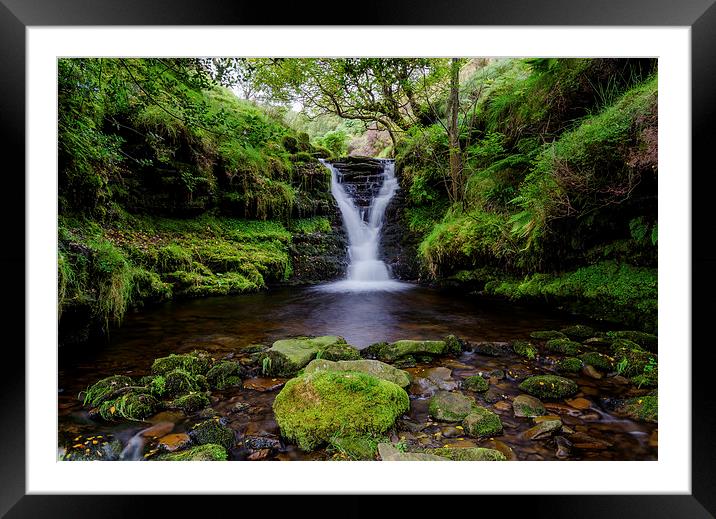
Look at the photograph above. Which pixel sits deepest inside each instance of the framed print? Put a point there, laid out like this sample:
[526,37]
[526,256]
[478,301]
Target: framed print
[432,240]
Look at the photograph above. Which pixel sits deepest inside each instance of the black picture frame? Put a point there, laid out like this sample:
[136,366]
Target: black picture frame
[699,15]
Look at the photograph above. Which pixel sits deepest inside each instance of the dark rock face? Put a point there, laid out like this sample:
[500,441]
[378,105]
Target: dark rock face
[398,246]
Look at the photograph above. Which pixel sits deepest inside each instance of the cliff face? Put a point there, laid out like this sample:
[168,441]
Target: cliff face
[399,246]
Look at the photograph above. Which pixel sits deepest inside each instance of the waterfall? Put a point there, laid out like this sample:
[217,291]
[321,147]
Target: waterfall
[363,225]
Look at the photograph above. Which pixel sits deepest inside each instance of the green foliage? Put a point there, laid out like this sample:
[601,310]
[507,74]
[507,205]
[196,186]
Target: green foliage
[336,142]
[311,225]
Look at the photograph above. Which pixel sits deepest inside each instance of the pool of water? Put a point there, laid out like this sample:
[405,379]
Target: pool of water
[224,325]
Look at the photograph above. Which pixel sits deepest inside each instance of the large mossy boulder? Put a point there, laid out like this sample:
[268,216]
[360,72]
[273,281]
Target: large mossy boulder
[105,389]
[644,408]
[315,407]
[133,405]
[287,356]
[482,422]
[445,406]
[190,403]
[371,367]
[197,362]
[340,351]
[207,452]
[549,386]
[467,454]
[390,352]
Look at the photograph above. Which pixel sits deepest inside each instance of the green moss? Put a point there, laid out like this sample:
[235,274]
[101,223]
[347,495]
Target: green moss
[569,365]
[629,360]
[357,447]
[190,402]
[313,408]
[104,389]
[549,386]
[645,340]
[578,332]
[467,454]
[224,374]
[179,382]
[312,225]
[207,452]
[566,346]
[482,422]
[450,407]
[524,349]
[644,408]
[475,383]
[213,431]
[375,368]
[339,351]
[287,356]
[547,335]
[195,363]
[133,405]
[389,352]
[598,360]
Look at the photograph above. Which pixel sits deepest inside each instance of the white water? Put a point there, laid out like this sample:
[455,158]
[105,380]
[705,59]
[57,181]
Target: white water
[365,271]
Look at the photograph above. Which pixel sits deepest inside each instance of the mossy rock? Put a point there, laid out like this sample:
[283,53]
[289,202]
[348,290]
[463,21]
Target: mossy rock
[390,352]
[340,351]
[598,360]
[467,454]
[543,429]
[134,405]
[624,344]
[405,362]
[206,452]
[631,362]
[190,403]
[445,406]
[389,452]
[197,362]
[481,423]
[105,388]
[475,383]
[315,407]
[213,431]
[549,386]
[376,368]
[578,332]
[644,408]
[178,382]
[569,365]
[492,349]
[357,447]
[524,349]
[647,341]
[224,374]
[527,406]
[454,345]
[86,450]
[547,335]
[566,346]
[647,378]
[287,356]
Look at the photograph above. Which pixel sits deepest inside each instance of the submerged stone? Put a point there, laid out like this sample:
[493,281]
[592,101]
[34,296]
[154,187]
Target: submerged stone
[543,429]
[372,367]
[174,442]
[482,422]
[527,406]
[549,386]
[314,407]
[445,406]
[546,335]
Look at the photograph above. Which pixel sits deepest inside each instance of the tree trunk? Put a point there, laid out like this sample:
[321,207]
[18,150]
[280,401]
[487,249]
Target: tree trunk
[453,132]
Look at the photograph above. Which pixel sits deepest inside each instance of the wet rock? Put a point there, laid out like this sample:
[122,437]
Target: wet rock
[545,418]
[197,362]
[579,403]
[314,407]
[258,455]
[450,407]
[527,406]
[581,440]
[647,341]
[207,452]
[492,395]
[564,447]
[93,448]
[175,383]
[502,447]
[213,431]
[644,408]
[569,365]
[105,389]
[499,374]
[492,349]
[546,335]
[287,356]
[598,342]
[467,454]
[263,384]
[157,430]
[409,425]
[598,360]
[549,386]
[442,378]
[578,332]
[390,352]
[630,358]
[260,442]
[388,452]
[518,373]
[475,383]
[503,405]
[206,413]
[482,422]
[452,432]
[543,429]
[174,442]
[224,374]
[566,346]
[524,349]
[405,362]
[340,351]
[375,368]
[654,439]
[592,372]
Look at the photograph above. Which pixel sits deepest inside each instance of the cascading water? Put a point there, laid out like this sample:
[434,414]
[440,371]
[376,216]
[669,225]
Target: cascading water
[366,271]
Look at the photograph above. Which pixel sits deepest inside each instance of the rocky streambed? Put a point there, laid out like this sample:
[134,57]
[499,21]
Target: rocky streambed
[569,394]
